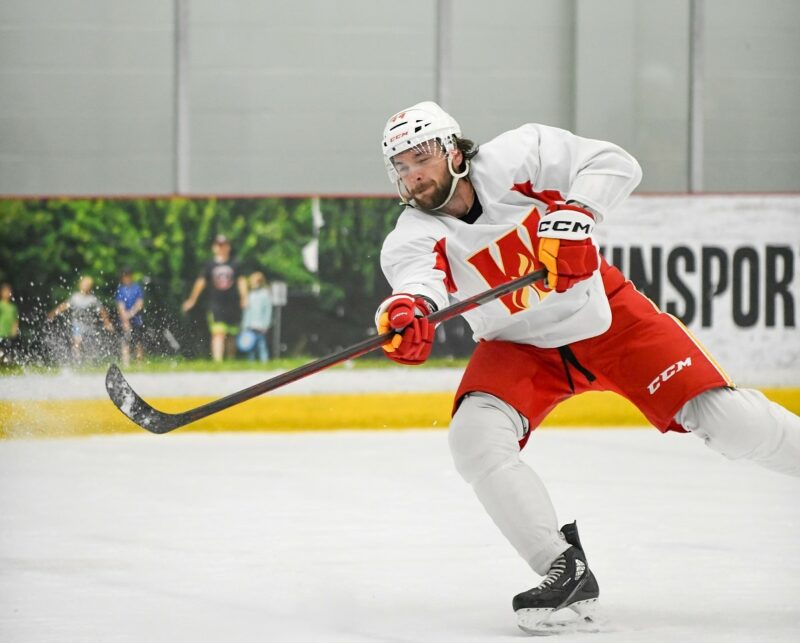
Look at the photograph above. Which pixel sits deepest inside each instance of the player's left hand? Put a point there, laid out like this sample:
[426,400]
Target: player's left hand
[406,315]
[565,246]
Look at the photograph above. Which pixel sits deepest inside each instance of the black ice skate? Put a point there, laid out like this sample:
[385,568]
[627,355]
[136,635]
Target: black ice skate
[569,584]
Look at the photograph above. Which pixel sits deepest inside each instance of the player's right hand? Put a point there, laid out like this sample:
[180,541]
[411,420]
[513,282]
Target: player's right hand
[406,316]
[565,246]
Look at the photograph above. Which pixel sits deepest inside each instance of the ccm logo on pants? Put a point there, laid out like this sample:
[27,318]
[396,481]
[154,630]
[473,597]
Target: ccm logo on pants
[667,373]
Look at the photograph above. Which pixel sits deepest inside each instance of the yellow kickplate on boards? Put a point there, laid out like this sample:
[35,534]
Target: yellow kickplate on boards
[21,419]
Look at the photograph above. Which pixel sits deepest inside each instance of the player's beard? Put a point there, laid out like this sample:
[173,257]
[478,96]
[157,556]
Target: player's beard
[432,195]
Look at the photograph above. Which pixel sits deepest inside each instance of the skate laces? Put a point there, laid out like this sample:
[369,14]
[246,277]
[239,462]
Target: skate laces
[556,570]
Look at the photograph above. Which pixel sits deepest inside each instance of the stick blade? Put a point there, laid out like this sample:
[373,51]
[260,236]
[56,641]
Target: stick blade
[135,408]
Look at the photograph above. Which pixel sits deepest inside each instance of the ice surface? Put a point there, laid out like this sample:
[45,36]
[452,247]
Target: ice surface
[371,536]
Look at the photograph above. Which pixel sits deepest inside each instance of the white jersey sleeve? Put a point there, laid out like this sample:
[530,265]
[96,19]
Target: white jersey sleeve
[597,173]
[409,257]
[601,174]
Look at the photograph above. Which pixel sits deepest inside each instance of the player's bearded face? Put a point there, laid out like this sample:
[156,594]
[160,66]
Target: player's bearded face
[424,175]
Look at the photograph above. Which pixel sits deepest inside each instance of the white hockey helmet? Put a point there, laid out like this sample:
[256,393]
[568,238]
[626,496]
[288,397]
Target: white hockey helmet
[419,123]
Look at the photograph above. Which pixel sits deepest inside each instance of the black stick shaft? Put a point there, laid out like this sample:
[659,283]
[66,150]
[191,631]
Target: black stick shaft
[356,350]
[143,414]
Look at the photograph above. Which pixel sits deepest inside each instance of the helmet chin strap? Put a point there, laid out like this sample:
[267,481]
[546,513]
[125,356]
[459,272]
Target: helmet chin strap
[454,182]
[456,176]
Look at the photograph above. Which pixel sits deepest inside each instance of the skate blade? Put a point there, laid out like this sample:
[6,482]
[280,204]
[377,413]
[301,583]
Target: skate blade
[549,622]
[534,621]
[586,610]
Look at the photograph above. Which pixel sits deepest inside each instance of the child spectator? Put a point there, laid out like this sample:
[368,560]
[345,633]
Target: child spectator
[85,309]
[130,302]
[257,317]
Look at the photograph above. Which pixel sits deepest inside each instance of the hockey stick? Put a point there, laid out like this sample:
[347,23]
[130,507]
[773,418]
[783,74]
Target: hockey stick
[155,421]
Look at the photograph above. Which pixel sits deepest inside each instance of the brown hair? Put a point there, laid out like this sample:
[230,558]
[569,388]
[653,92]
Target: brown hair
[468,148]
[257,279]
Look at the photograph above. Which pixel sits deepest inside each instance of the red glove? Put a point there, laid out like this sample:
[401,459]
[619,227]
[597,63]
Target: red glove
[565,245]
[406,315]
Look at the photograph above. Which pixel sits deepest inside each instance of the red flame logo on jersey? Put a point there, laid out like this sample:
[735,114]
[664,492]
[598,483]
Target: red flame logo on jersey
[517,258]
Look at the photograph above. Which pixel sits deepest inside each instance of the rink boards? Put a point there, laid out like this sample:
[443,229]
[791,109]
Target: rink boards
[345,400]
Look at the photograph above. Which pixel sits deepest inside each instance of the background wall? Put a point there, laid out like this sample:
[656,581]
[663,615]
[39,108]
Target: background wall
[109,97]
[727,266]
[205,99]
[734,283]
[87,97]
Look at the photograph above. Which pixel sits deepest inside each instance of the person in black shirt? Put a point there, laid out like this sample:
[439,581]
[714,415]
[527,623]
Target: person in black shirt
[226,298]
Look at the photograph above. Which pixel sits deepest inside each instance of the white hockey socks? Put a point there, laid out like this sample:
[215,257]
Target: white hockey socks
[484,442]
[744,424]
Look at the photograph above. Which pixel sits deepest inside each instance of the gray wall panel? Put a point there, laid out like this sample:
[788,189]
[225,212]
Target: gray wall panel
[290,96]
[86,106]
[752,129]
[285,101]
[512,64]
[632,83]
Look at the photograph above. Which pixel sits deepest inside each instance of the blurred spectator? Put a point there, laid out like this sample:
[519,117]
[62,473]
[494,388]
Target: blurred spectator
[257,318]
[130,302]
[227,297]
[9,323]
[85,310]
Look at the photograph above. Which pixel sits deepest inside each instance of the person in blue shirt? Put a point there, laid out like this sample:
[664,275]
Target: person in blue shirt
[257,319]
[130,302]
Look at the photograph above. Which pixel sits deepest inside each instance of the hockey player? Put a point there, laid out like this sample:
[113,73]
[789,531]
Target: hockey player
[478,217]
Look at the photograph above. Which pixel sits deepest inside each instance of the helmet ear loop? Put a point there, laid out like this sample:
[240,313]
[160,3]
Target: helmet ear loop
[456,176]
[453,172]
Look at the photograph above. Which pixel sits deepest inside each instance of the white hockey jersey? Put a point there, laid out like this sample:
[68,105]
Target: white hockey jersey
[514,175]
